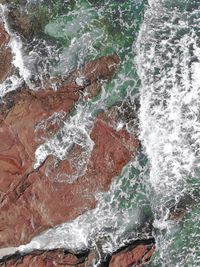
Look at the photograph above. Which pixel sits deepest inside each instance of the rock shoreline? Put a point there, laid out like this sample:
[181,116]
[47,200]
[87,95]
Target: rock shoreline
[26,206]
[137,254]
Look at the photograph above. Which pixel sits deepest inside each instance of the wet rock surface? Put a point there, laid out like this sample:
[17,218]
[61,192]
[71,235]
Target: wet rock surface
[48,259]
[29,192]
[26,194]
[125,115]
[24,188]
[136,254]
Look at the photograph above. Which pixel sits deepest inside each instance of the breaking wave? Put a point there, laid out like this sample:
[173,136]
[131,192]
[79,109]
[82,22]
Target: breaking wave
[168,60]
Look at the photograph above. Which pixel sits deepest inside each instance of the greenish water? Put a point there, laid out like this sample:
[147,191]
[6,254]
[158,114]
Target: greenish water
[136,205]
[79,31]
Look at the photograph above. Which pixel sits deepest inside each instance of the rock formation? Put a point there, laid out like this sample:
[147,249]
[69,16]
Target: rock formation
[30,200]
[137,254]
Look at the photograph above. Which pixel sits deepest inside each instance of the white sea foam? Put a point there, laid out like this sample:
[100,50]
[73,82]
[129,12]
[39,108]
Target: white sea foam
[15,45]
[75,132]
[168,65]
[10,84]
[7,251]
[168,61]
[61,146]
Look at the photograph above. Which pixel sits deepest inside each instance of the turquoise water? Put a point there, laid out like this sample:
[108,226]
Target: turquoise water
[158,43]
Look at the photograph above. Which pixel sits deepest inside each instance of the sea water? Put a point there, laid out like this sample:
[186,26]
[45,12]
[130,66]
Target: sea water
[158,43]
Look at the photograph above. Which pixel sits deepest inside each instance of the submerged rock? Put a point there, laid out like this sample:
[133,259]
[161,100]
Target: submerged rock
[21,23]
[48,259]
[6,67]
[27,19]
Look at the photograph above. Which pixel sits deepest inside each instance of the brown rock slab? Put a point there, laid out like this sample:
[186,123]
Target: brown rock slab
[96,71]
[30,200]
[4,37]
[134,256]
[50,259]
[137,256]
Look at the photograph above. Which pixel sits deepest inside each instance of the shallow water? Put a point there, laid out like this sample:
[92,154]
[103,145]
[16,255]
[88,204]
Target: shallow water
[158,42]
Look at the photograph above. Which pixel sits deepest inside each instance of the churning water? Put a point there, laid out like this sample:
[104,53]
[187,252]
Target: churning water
[168,60]
[159,45]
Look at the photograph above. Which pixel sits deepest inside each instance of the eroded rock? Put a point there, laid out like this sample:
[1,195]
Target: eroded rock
[52,258]
[26,194]
[137,254]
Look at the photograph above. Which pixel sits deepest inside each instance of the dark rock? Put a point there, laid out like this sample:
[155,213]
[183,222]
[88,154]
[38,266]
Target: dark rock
[52,258]
[6,67]
[20,22]
[27,25]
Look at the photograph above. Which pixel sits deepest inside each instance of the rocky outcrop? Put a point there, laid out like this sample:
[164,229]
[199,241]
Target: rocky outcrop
[28,192]
[32,200]
[6,67]
[137,254]
[49,259]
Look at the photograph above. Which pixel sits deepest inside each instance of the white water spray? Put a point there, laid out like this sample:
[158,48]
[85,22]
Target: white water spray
[168,60]
[15,45]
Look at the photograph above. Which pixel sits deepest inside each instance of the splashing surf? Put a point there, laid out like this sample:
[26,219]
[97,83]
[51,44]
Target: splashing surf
[168,61]
[168,65]
[15,44]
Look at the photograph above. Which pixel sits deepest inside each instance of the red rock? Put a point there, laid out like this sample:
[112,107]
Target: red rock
[96,71]
[50,259]
[27,262]
[26,197]
[34,208]
[137,256]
